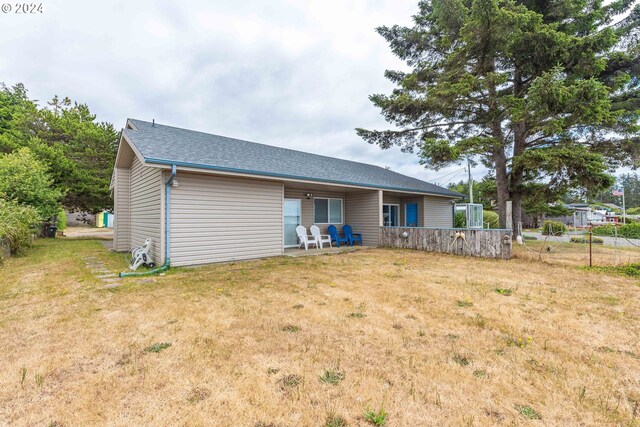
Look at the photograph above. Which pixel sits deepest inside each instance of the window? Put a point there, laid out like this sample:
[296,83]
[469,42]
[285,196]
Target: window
[327,211]
[390,214]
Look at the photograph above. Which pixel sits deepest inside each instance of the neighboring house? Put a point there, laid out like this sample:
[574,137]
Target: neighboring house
[232,199]
[612,207]
[104,219]
[579,215]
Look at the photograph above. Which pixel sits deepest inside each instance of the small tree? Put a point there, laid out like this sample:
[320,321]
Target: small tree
[24,180]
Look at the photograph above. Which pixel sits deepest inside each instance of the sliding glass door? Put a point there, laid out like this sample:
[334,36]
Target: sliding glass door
[292,219]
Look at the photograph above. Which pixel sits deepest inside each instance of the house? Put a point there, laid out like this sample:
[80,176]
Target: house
[579,215]
[204,198]
[104,219]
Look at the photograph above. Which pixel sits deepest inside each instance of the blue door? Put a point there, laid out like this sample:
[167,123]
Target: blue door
[411,215]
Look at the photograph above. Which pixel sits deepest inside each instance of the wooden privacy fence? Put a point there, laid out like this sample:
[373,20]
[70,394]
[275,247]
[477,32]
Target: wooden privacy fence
[459,241]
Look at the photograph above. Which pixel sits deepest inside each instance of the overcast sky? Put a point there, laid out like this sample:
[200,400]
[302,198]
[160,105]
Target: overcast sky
[295,74]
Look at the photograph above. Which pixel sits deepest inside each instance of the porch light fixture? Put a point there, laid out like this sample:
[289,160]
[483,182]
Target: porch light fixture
[405,234]
[309,195]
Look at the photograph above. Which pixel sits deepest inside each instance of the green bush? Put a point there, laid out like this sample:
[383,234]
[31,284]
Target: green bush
[460,220]
[492,218]
[630,231]
[633,211]
[27,181]
[553,228]
[62,220]
[585,239]
[17,225]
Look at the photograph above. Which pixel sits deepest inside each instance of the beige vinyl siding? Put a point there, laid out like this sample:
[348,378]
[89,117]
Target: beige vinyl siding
[308,212]
[438,212]
[121,222]
[216,218]
[388,199]
[145,187]
[362,212]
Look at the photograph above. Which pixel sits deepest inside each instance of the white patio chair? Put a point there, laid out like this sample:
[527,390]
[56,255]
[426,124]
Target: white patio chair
[320,238]
[304,239]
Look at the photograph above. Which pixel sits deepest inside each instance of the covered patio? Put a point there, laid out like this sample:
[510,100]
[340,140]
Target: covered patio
[365,210]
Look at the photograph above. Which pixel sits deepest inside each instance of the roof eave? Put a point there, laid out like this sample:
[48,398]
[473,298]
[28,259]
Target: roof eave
[153,160]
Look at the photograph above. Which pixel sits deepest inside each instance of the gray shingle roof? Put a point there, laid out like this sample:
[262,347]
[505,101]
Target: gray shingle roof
[163,144]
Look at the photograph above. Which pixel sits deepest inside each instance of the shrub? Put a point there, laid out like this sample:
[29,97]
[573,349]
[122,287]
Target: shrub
[18,224]
[553,228]
[585,239]
[630,231]
[492,218]
[62,220]
[633,211]
[27,181]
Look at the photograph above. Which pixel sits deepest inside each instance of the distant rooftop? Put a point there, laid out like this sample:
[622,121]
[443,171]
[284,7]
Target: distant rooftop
[161,144]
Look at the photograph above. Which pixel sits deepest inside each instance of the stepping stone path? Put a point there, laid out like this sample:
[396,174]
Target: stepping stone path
[109,279]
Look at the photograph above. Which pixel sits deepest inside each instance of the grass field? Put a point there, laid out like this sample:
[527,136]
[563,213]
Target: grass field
[405,338]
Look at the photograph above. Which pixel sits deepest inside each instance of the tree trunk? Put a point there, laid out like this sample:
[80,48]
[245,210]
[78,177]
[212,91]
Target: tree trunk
[519,141]
[502,184]
[499,156]
[516,212]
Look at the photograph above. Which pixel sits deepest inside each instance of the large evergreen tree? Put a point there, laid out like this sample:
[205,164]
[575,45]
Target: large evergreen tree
[78,150]
[541,91]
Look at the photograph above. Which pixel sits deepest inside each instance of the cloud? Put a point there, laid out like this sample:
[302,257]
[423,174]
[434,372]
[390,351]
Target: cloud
[296,74]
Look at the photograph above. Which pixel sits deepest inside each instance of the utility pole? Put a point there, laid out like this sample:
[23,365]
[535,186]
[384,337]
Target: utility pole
[470,181]
[624,208]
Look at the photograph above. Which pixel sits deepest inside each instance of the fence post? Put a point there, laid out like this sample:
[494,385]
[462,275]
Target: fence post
[590,246]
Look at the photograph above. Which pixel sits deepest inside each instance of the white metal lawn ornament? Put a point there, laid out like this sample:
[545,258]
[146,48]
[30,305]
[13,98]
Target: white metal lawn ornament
[140,256]
[459,235]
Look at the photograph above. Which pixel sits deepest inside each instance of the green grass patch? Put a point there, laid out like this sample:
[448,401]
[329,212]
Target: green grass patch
[377,418]
[631,270]
[332,377]
[528,412]
[335,421]
[585,239]
[157,347]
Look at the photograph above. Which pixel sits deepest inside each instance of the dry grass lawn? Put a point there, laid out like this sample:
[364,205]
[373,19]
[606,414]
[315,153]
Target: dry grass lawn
[427,337]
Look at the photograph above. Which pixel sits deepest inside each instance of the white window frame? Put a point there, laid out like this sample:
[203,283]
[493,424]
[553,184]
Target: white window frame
[397,216]
[328,199]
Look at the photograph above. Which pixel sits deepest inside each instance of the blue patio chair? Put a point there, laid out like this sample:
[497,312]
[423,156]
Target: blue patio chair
[335,237]
[351,236]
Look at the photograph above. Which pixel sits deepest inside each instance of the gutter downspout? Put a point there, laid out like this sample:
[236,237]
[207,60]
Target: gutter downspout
[167,228]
